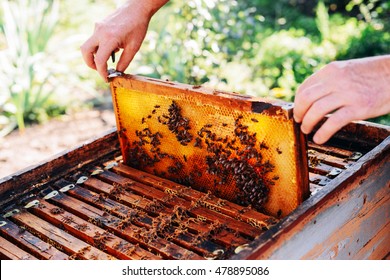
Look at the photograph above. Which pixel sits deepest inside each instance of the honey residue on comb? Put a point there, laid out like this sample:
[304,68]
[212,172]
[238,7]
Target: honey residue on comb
[228,163]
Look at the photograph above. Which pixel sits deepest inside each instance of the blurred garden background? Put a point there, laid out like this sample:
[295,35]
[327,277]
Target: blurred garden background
[256,47]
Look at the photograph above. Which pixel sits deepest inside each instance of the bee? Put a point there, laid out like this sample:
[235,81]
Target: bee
[82,227]
[67,220]
[99,197]
[263,146]
[56,211]
[254,120]
[100,239]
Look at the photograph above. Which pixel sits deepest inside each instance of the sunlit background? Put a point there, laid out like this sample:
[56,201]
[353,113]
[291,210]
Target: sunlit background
[256,47]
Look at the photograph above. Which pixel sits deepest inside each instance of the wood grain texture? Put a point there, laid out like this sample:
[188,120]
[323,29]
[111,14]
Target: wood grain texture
[9,251]
[59,238]
[32,244]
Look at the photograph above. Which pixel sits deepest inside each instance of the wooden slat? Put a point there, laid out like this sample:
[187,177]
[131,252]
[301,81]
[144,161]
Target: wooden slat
[92,234]
[199,223]
[32,244]
[322,169]
[211,216]
[223,237]
[216,204]
[58,237]
[11,252]
[340,162]
[330,150]
[130,232]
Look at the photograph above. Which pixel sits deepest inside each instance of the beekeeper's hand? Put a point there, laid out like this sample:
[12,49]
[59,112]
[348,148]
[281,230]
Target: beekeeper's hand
[124,29]
[351,90]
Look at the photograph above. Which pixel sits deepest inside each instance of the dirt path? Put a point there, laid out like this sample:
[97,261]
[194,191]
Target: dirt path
[40,142]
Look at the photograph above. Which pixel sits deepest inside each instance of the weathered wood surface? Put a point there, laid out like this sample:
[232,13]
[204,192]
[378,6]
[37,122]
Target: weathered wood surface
[90,233]
[29,242]
[349,219]
[9,251]
[129,232]
[59,238]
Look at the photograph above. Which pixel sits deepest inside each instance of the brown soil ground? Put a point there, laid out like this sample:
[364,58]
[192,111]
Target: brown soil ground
[41,142]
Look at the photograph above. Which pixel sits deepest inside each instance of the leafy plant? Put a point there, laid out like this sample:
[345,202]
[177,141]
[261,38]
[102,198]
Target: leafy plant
[26,79]
[37,74]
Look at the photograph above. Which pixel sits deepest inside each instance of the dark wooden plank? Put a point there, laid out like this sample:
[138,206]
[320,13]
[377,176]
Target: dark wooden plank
[363,133]
[317,157]
[58,237]
[330,150]
[197,211]
[91,233]
[224,236]
[129,231]
[9,251]
[206,200]
[27,241]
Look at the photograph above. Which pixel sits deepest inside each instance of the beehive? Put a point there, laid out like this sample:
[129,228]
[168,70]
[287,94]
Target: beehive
[87,203]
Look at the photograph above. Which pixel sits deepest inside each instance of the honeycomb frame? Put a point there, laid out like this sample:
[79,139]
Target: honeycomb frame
[244,149]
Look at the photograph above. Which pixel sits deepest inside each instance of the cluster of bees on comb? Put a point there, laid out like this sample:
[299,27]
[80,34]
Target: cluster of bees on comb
[231,161]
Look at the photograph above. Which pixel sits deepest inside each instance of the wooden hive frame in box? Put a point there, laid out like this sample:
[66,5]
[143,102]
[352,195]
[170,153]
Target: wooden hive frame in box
[86,204]
[244,149]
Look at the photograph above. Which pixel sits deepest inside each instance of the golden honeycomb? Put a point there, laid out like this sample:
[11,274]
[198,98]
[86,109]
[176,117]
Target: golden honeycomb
[212,141]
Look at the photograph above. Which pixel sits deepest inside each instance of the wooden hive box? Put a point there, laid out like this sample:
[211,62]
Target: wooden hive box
[86,204]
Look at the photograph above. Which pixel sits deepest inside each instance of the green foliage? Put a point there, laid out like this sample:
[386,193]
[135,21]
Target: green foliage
[35,70]
[25,79]
[260,47]
[257,47]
